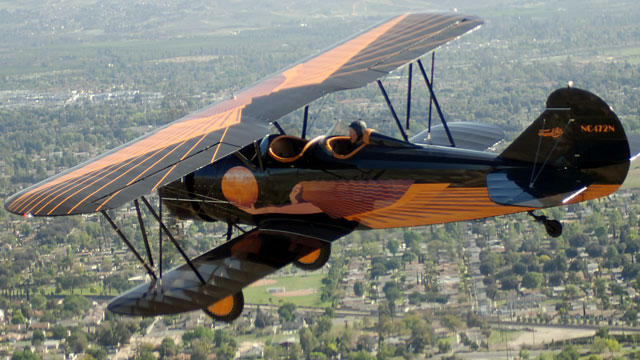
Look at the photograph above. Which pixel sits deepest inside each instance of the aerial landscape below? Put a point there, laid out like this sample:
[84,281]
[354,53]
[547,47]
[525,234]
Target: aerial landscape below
[434,275]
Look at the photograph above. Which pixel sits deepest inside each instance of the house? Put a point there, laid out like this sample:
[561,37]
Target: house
[256,351]
[39,326]
[51,346]
[288,342]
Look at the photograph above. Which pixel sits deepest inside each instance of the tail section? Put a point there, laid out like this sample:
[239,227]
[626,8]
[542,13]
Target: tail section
[576,150]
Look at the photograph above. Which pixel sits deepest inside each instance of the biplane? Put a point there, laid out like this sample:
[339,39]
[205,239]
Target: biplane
[295,196]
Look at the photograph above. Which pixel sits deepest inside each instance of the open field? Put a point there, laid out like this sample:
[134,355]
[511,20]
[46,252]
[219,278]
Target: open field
[633,177]
[302,290]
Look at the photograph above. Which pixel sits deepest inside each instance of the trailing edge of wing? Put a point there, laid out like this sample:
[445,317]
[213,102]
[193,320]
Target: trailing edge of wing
[196,140]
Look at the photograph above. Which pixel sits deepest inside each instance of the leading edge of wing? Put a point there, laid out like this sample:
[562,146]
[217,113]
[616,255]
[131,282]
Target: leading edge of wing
[164,155]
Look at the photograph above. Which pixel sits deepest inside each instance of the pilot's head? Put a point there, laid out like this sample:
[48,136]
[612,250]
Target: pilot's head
[356,130]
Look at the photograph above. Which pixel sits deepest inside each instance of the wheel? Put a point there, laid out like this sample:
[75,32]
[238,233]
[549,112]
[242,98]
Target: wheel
[315,259]
[227,309]
[553,227]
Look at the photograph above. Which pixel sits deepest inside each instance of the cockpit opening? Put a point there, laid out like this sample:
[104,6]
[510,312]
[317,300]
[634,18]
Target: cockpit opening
[288,148]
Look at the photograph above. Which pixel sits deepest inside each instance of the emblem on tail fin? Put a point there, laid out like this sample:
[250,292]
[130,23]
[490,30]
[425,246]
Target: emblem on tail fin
[554,133]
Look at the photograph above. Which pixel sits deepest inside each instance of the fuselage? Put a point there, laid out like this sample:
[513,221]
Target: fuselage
[386,183]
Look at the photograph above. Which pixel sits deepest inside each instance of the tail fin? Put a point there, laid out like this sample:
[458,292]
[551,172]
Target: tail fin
[576,143]
[578,129]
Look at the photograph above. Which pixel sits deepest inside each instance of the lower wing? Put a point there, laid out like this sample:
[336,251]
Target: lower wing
[227,269]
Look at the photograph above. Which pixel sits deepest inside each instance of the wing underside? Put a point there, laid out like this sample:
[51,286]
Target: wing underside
[226,269]
[160,157]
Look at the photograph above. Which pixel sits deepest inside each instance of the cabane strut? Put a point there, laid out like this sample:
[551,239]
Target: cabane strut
[432,101]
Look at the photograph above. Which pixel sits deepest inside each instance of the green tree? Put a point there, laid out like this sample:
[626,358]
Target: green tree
[444,346]
[360,355]
[225,345]
[393,246]
[18,318]
[392,292]
[631,317]
[510,282]
[600,287]
[618,290]
[262,319]
[97,353]
[563,307]
[287,312]
[200,349]
[571,292]
[307,340]
[569,352]
[38,302]
[598,345]
[24,355]
[452,323]
[199,332]
[323,325]
[77,341]
[392,264]
[145,352]
[358,288]
[37,338]
[377,270]
[76,304]
[59,332]
[167,348]
[532,280]
[421,335]
[612,344]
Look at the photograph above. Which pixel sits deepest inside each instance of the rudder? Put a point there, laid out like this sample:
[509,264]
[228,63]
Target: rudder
[577,130]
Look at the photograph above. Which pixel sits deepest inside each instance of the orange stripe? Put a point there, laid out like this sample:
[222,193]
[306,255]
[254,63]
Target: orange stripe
[60,189]
[423,204]
[108,174]
[166,174]
[318,69]
[185,155]
[126,172]
[218,148]
[162,139]
[95,181]
[184,134]
[385,47]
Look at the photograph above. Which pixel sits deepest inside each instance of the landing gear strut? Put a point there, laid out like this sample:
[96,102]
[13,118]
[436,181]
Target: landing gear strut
[553,227]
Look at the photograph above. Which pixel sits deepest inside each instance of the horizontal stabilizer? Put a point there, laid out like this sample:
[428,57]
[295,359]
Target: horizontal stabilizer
[634,146]
[467,135]
[513,187]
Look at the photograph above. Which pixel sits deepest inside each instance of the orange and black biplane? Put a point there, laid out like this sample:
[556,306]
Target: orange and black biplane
[298,195]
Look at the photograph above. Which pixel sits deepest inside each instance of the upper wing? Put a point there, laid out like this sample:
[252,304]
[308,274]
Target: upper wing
[162,156]
[227,269]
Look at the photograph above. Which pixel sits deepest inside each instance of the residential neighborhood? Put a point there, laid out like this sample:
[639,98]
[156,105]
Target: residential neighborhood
[81,77]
